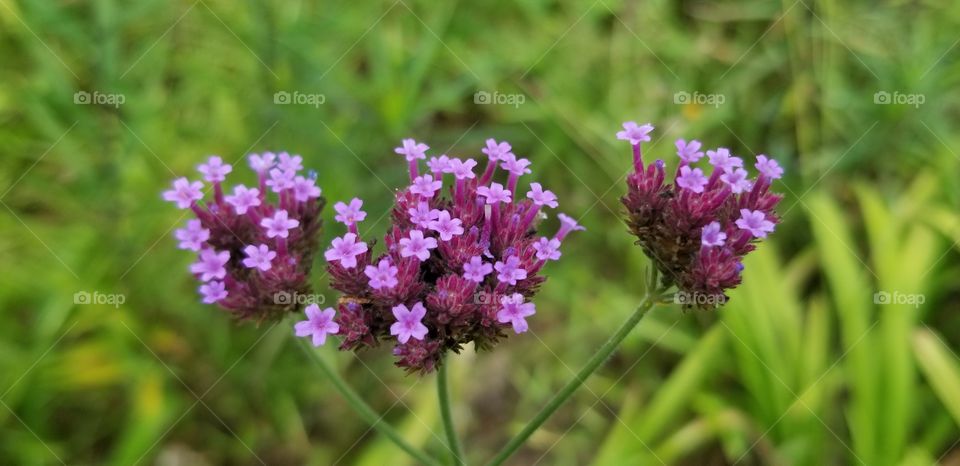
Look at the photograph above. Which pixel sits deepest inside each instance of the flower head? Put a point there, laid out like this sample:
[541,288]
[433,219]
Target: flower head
[635,133]
[318,325]
[210,265]
[279,225]
[305,189]
[280,179]
[262,163]
[510,271]
[541,197]
[723,161]
[259,257]
[290,163]
[425,186]
[547,249]
[476,269]
[408,324]
[184,193]
[346,249]
[691,179]
[243,199]
[768,167]
[412,150]
[462,169]
[515,312]
[439,164]
[495,151]
[382,276]
[495,193]
[755,222]
[416,245]
[689,152]
[349,214]
[214,170]
[192,236]
[737,180]
[446,227]
[513,165]
[422,215]
[213,291]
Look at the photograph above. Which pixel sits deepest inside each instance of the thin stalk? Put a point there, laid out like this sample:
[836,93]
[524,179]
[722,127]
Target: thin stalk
[592,365]
[443,395]
[363,409]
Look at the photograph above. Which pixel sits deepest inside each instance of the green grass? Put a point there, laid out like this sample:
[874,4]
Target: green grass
[801,368]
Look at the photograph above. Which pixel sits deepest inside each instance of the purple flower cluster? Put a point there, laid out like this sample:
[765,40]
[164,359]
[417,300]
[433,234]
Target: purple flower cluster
[254,253]
[456,269]
[698,228]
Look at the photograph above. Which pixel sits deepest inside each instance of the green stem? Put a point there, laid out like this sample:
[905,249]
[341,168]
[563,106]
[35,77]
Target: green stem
[592,365]
[443,394]
[363,409]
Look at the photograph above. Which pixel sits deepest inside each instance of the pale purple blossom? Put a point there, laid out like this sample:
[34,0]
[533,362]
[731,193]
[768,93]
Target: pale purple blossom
[495,193]
[281,179]
[262,163]
[635,133]
[755,222]
[495,150]
[712,235]
[510,271]
[214,170]
[567,224]
[691,179]
[258,257]
[412,150]
[425,186]
[243,198]
[213,291]
[446,226]
[439,164]
[514,311]
[305,189]
[476,269]
[345,249]
[290,163]
[723,161]
[210,265]
[408,324]
[768,167]
[349,214]
[462,169]
[383,275]
[737,180]
[541,197]
[515,166]
[279,225]
[192,236]
[422,215]
[689,152]
[184,193]
[547,249]
[417,246]
[318,325]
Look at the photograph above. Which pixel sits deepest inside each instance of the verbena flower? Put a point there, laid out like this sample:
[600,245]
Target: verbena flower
[698,228]
[460,265]
[254,252]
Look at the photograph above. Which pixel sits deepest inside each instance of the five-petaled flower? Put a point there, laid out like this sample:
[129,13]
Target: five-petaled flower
[495,193]
[213,291]
[689,152]
[412,150]
[416,245]
[279,225]
[184,193]
[691,179]
[547,249]
[408,324]
[541,197]
[446,226]
[425,186]
[211,265]
[476,269]
[495,150]
[214,170]
[384,275]
[768,167]
[510,271]
[755,222]
[318,325]
[243,198]
[258,257]
[192,236]
[514,311]
[349,214]
[711,235]
[635,133]
[346,249]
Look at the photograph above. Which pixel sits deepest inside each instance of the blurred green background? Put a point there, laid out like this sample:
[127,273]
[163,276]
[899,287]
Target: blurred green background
[801,368]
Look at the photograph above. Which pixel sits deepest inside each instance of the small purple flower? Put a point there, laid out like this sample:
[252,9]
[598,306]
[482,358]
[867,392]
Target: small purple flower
[214,170]
[349,214]
[345,249]
[496,150]
[446,226]
[412,150]
[262,163]
[514,166]
[280,179]
[279,225]
[213,291]
[635,133]
[425,186]
[476,269]
[547,249]
[305,189]
[184,193]
[192,236]
[495,193]
[567,224]
[384,275]
[243,198]
[510,271]
[290,164]
[737,180]
[691,179]
[769,167]
[439,164]
[211,265]
[417,246]
[515,311]
[541,197]
[422,216]
[258,257]
[711,235]
[723,161]
[689,152]
[461,169]
[319,324]
[408,322]
[755,222]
